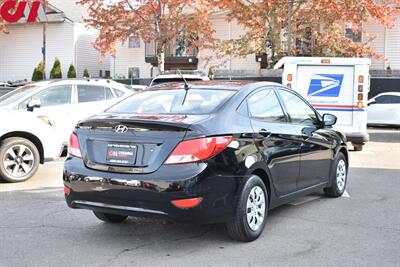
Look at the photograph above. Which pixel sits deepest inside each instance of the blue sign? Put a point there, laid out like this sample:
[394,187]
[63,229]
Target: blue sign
[326,85]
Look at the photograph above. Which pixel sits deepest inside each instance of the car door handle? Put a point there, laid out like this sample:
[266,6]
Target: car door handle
[264,133]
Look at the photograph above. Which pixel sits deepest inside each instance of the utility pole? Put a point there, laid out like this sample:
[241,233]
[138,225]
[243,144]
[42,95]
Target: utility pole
[44,41]
[289,33]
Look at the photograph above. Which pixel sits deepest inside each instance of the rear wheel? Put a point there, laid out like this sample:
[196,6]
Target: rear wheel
[110,218]
[19,159]
[251,212]
[338,177]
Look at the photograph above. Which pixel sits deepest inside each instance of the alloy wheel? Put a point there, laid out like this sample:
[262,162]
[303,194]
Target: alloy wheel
[341,175]
[255,209]
[18,161]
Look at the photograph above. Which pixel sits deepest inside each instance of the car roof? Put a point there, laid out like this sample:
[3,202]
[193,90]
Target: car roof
[219,84]
[389,93]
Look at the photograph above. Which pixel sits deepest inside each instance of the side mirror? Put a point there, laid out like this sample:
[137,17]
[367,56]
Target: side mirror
[34,103]
[329,119]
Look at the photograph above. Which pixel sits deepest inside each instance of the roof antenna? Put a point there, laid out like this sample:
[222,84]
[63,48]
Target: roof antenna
[187,87]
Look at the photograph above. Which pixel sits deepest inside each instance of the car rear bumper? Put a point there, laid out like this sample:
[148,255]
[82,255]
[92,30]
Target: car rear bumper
[357,137]
[150,195]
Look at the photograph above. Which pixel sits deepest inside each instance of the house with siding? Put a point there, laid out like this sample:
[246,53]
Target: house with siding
[66,38]
[135,59]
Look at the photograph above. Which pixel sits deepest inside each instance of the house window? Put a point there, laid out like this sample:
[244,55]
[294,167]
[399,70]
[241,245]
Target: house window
[133,73]
[134,42]
[352,33]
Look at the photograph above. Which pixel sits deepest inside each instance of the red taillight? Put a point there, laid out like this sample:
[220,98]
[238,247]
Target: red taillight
[67,191]
[73,146]
[187,203]
[198,149]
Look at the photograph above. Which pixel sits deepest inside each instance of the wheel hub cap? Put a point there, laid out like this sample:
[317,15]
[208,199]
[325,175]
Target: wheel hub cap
[18,161]
[341,175]
[255,208]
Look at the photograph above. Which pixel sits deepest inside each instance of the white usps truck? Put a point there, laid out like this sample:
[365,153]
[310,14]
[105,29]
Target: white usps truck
[339,86]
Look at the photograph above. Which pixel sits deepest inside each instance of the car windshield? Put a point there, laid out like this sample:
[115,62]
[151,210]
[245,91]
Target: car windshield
[173,80]
[16,95]
[198,101]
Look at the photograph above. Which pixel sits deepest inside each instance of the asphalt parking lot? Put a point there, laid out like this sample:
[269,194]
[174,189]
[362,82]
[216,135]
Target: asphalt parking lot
[362,228]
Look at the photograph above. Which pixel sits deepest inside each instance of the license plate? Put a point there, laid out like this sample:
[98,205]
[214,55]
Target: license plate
[121,154]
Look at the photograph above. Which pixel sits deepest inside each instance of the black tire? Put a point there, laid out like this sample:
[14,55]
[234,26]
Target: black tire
[358,147]
[110,218]
[27,168]
[336,188]
[239,228]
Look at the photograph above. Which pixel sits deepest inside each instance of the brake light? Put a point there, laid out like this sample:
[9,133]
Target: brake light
[187,203]
[360,105]
[198,149]
[289,77]
[67,190]
[73,146]
[360,79]
[360,97]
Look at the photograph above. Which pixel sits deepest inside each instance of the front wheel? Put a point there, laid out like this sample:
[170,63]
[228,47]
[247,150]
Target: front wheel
[110,218]
[338,177]
[251,212]
[19,159]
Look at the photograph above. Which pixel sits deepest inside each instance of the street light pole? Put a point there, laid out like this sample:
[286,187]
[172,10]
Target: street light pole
[44,41]
[289,40]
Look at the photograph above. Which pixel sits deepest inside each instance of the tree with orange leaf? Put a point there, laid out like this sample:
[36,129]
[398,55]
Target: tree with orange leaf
[316,27]
[159,21]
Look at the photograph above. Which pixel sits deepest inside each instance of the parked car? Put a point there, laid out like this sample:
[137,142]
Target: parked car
[171,77]
[3,84]
[65,101]
[26,140]
[208,152]
[384,109]
[138,88]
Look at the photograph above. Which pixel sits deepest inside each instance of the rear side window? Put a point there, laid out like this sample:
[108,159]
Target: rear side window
[299,111]
[264,105]
[198,101]
[119,93]
[388,99]
[91,93]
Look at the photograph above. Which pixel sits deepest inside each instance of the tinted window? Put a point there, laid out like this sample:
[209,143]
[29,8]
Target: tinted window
[57,95]
[298,110]
[388,99]
[171,102]
[91,93]
[264,105]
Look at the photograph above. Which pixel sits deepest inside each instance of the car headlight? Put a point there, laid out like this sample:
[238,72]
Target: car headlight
[46,120]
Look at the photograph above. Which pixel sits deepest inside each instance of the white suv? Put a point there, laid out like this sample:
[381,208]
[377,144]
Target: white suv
[65,102]
[26,140]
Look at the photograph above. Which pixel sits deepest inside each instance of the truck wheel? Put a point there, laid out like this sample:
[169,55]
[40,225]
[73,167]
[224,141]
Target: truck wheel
[338,177]
[251,212]
[110,218]
[358,147]
[19,159]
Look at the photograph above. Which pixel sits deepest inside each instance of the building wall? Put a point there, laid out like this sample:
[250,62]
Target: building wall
[86,56]
[386,43]
[21,50]
[126,58]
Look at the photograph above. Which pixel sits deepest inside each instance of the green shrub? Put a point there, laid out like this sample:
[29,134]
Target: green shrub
[71,72]
[86,73]
[56,70]
[38,72]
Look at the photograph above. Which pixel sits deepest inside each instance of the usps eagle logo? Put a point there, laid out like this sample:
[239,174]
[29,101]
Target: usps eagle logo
[326,85]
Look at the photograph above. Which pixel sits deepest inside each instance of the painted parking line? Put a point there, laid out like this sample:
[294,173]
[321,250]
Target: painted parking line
[346,194]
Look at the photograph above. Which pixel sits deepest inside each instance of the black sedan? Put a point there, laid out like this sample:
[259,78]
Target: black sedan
[209,152]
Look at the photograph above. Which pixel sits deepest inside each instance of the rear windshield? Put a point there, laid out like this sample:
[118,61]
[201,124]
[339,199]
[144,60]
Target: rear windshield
[198,101]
